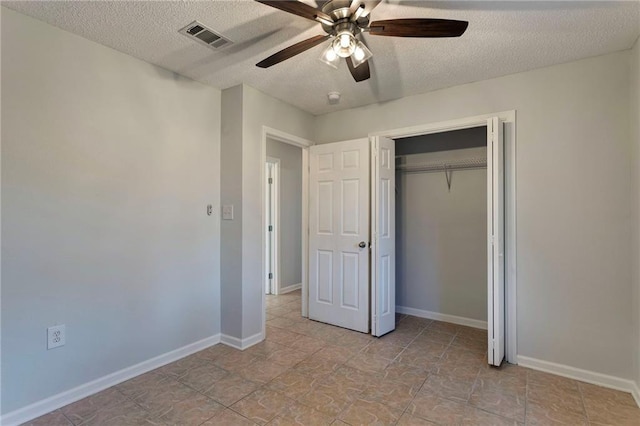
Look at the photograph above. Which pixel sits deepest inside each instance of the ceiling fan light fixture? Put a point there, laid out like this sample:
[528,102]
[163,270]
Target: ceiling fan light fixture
[330,57]
[361,54]
[344,44]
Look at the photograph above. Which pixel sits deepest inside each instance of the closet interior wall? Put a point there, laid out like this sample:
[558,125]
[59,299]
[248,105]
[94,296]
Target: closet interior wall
[441,225]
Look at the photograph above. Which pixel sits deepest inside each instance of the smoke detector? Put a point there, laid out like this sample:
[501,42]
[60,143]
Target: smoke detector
[334,98]
[203,35]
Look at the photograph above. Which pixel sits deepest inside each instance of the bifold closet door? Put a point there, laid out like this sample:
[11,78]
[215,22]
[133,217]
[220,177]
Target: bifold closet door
[339,234]
[495,243]
[383,235]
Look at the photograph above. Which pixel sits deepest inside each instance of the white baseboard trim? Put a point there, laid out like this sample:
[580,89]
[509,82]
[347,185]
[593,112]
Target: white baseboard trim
[241,344]
[636,393]
[604,380]
[290,288]
[54,402]
[469,322]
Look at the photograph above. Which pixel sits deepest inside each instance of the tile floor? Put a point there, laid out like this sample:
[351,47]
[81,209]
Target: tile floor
[308,373]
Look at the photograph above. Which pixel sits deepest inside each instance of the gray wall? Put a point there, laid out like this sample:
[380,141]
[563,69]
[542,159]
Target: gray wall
[290,232]
[108,164]
[634,111]
[441,237]
[574,213]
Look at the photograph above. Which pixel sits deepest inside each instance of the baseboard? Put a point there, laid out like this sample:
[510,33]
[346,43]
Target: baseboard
[604,380]
[241,344]
[469,322]
[290,288]
[54,402]
[636,393]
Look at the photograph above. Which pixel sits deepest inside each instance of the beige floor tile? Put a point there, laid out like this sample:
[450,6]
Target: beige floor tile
[515,385]
[557,397]
[405,373]
[308,344]
[443,327]
[476,417]
[315,366]
[143,383]
[472,333]
[367,362]
[395,395]
[505,405]
[85,409]
[356,379]
[434,336]
[292,384]
[264,348]
[203,377]
[125,414]
[414,322]
[158,401]
[383,349]
[192,411]
[182,366]
[448,387]
[329,399]
[338,422]
[552,381]
[598,393]
[335,353]
[409,420]
[363,412]
[299,414]
[234,361]
[607,412]
[400,337]
[430,406]
[262,405]
[282,336]
[214,352]
[262,371]
[231,389]
[281,322]
[421,357]
[470,344]
[228,418]
[549,415]
[287,356]
[55,418]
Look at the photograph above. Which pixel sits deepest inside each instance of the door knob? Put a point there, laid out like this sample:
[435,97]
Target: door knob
[362,244]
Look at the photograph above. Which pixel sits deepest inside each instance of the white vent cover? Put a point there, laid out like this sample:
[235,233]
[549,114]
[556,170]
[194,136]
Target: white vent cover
[203,35]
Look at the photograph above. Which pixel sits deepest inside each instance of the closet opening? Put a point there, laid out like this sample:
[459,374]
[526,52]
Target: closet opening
[441,226]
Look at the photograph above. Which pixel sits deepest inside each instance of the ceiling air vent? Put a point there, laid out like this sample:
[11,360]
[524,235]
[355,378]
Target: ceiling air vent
[198,32]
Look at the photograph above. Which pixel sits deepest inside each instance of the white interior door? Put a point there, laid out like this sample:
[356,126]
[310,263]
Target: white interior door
[383,248]
[495,246]
[339,234]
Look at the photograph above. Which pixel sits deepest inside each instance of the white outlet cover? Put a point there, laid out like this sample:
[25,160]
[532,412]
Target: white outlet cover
[56,336]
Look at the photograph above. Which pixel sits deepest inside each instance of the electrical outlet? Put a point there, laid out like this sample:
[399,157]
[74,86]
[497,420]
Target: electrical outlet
[56,336]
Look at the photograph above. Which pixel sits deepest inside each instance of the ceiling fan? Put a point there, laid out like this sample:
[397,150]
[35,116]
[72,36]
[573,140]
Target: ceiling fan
[344,21]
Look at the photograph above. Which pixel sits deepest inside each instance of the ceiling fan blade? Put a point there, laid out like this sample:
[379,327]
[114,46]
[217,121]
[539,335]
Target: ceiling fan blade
[369,5]
[418,28]
[298,8]
[360,73]
[291,51]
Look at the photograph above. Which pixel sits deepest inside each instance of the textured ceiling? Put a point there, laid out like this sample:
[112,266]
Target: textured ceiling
[503,38]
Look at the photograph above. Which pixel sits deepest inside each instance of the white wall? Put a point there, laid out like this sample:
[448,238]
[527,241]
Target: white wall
[290,212]
[108,164]
[441,237]
[573,209]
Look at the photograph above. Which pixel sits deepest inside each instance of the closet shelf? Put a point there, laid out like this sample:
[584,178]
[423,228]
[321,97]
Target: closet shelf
[468,164]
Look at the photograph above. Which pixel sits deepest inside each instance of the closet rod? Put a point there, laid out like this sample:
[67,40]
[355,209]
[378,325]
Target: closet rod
[440,167]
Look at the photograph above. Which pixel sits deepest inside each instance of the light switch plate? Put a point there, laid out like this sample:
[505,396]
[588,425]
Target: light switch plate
[227,212]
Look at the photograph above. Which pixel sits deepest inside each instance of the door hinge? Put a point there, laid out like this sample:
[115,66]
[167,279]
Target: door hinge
[270,228]
[270,181]
[270,275]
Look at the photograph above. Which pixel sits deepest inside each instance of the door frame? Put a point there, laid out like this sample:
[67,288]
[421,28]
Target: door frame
[304,144]
[509,120]
[274,193]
